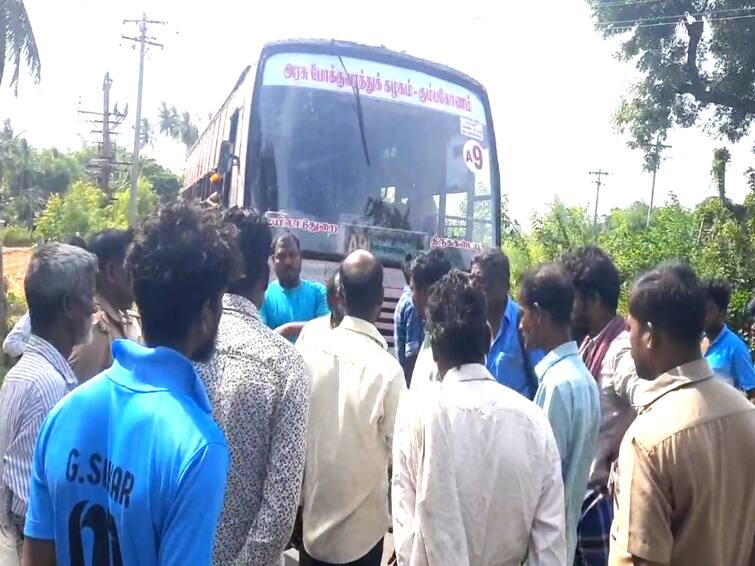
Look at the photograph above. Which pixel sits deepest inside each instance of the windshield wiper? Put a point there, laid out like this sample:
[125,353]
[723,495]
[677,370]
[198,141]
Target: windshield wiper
[360,116]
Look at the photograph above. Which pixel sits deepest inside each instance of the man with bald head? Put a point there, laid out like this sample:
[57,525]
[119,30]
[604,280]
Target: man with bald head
[356,384]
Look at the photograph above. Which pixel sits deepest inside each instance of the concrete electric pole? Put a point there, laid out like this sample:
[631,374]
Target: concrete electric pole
[105,122]
[657,149]
[143,40]
[598,182]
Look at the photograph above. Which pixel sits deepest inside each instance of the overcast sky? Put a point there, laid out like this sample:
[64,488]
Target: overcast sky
[553,82]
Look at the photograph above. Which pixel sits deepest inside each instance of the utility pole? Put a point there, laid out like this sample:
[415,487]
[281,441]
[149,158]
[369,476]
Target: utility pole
[106,122]
[598,182]
[657,149]
[143,40]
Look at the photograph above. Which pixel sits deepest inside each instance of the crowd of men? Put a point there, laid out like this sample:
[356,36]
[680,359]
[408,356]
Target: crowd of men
[231,418]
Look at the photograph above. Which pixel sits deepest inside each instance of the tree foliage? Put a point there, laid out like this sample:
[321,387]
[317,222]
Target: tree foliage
[84,210]
[692,55]
[711,238]
[17,43]
[178,125]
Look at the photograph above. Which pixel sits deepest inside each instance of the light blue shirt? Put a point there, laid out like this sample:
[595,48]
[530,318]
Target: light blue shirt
[307,301]
[130,468]
[569,395]
[505,360]
[730,359]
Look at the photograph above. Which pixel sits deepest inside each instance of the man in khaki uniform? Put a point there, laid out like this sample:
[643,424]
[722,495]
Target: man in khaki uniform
[113,298]
[684,489]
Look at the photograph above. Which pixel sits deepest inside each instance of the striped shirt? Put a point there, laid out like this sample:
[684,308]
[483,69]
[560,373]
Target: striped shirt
[40,379]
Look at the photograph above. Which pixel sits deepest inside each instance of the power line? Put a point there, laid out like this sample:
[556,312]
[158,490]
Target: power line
[680,17]
[708,20]
[630,24]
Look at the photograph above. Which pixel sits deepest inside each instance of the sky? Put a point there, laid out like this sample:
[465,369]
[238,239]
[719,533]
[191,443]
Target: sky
[553,83]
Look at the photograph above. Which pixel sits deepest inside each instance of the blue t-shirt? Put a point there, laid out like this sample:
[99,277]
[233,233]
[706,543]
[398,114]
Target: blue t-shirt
[505,360]
[301,304]
[130,468]
[730,359]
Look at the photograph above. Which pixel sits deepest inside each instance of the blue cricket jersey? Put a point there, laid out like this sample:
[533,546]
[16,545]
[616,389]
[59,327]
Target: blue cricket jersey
[130,468]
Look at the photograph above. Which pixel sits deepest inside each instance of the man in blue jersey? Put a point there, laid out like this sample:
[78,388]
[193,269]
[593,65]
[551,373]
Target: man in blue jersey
[130,468]
[291,302]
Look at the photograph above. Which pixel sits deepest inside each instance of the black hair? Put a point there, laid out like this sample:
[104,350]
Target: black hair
[495,266]
[671,299]
[110,246]
[751,309]
[285,235]
[549,289]
[428,267]
[183,258]
[456,320]
[254,241]
[77,241]
[719,292]
[594,273]
[362,290]
[406,267]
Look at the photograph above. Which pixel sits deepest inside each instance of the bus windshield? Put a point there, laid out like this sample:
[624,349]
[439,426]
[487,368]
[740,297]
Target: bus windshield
[358,154]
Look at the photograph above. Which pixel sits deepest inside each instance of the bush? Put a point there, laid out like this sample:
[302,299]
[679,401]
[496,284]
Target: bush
[15,236]
[84,210]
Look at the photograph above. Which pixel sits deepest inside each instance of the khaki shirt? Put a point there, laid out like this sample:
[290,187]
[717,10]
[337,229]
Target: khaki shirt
[108,325]
[685,493]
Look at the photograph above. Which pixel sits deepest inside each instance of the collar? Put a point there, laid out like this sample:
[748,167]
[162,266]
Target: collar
[725,331]
[606,329]
[364,328]
[510,316]
[241,305]
[50,353]
[692,372]
[554,356]
[156,369]
[467,372]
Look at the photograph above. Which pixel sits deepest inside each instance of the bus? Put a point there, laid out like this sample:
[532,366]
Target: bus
[352,146]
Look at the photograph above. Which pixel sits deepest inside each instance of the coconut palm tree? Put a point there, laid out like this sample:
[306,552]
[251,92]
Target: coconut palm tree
[17,41]
[177,126]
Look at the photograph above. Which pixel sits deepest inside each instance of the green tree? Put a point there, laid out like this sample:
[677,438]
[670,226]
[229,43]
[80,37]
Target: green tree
[692,55]
[178,125]
[165,183]
[78,212]
[17,41]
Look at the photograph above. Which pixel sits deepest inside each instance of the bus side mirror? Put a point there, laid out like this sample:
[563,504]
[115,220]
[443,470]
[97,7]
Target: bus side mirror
[226,159]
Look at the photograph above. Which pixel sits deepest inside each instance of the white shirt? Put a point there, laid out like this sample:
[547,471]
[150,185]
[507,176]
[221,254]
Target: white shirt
[355,390]
[425,368]
[476,477]
[619,388]
[15,343]
[315,329]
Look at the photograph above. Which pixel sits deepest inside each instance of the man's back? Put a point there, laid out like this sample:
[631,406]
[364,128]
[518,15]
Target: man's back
[685,493]
[477,476]
[356,386]
[259,390]
[130,468]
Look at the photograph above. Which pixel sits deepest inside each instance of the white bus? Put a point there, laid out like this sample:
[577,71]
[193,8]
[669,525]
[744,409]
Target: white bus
[351,146]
